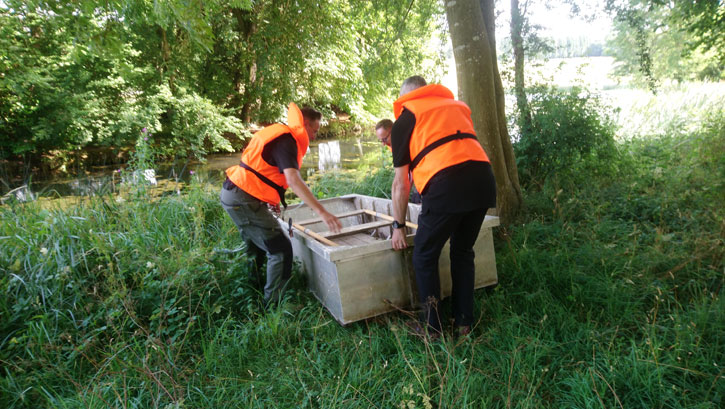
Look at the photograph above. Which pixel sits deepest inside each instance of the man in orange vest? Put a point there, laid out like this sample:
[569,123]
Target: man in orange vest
[383,130]
[433,138]
[270,164]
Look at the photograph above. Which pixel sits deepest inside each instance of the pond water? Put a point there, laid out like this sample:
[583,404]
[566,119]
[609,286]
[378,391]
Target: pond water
[322,156]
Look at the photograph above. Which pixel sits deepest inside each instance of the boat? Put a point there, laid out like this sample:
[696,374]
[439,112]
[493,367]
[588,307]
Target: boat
[355,273]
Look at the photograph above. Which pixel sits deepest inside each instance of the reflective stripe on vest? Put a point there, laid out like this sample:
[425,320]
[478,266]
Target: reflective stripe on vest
[443,135]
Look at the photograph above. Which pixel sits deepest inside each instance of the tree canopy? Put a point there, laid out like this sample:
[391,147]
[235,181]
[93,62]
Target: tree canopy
[680,40]
[85,73]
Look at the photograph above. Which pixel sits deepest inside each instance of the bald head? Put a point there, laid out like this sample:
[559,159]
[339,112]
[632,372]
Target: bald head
[411,84]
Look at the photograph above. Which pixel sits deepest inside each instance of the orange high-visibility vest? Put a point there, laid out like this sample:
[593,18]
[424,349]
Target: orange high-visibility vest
[259,178]
[443,135]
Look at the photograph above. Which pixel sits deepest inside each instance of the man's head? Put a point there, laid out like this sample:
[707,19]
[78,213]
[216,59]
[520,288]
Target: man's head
[312,119]
[382,131]
[411,84]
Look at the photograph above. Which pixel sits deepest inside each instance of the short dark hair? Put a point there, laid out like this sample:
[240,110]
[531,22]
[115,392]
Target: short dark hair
[384,123]
[311,114]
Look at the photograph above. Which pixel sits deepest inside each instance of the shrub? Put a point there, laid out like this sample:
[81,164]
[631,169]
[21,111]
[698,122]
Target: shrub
[566,128]
[184,124]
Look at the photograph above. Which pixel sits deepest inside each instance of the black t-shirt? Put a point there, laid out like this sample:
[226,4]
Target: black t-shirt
[459,188]
[281,152]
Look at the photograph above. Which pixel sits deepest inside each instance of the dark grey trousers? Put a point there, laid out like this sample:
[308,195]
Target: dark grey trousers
[262,234]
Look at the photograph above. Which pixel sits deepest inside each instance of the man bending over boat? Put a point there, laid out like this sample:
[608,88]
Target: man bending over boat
[382,130]
[270,164]
[433,138]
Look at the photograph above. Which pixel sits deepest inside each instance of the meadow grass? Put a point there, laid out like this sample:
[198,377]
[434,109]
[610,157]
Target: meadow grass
[609,295]
[373,177]
[678,109]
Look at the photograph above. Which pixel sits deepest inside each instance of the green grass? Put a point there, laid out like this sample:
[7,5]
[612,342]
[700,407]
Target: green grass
[675,110]
[609,296]
[374,177]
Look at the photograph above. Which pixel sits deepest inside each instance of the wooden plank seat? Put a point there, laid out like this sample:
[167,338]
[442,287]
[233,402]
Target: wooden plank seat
[345,231]
[339,216]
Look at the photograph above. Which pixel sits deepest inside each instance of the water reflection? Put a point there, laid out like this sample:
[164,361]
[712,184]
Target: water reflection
[328,154]
[322,156]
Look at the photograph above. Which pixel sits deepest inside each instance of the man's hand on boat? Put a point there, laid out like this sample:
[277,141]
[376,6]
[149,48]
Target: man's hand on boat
[332,222]
[398,239]
[298,186]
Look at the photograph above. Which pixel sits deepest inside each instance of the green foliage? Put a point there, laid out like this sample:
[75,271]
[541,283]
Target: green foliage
[395,39]
[87,74]
[566,128]
[67,92]
[657,41]
[703,20]
[191,125]
[54,95]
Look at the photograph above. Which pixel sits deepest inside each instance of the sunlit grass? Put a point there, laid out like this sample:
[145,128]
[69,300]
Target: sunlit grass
[674,110]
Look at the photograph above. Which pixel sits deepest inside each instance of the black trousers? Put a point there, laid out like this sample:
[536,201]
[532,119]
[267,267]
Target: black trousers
[434,229]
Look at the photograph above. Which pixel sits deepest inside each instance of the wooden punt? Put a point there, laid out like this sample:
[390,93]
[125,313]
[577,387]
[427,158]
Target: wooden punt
[355,273]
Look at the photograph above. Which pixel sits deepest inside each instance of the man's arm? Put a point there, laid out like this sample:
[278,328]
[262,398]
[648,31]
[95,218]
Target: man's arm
[295,182]
[400,143]
[401,191]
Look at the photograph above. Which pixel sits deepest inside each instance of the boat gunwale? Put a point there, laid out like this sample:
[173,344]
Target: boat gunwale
[348,252]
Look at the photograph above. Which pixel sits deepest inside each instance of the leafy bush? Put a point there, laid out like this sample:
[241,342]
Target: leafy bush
[566,127]
[183,123]
[192,125]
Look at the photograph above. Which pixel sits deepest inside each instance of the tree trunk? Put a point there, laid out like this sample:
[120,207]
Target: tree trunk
[246,112]
[517,25]
[247,28]
[471,24]
[165,56]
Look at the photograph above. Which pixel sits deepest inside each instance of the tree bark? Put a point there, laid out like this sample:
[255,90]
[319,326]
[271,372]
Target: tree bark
[517,40]
[247,27]
[165,55]
[471,24]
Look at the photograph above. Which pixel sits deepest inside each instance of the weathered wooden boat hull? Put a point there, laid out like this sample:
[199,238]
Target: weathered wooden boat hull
[363,276]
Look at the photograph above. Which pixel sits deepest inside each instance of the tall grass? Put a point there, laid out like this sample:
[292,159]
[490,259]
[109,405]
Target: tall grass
[374,177]
[675,110]
[609,296]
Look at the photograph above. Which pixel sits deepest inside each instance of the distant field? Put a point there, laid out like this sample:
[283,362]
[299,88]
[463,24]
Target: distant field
[679,109]
[592,72]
